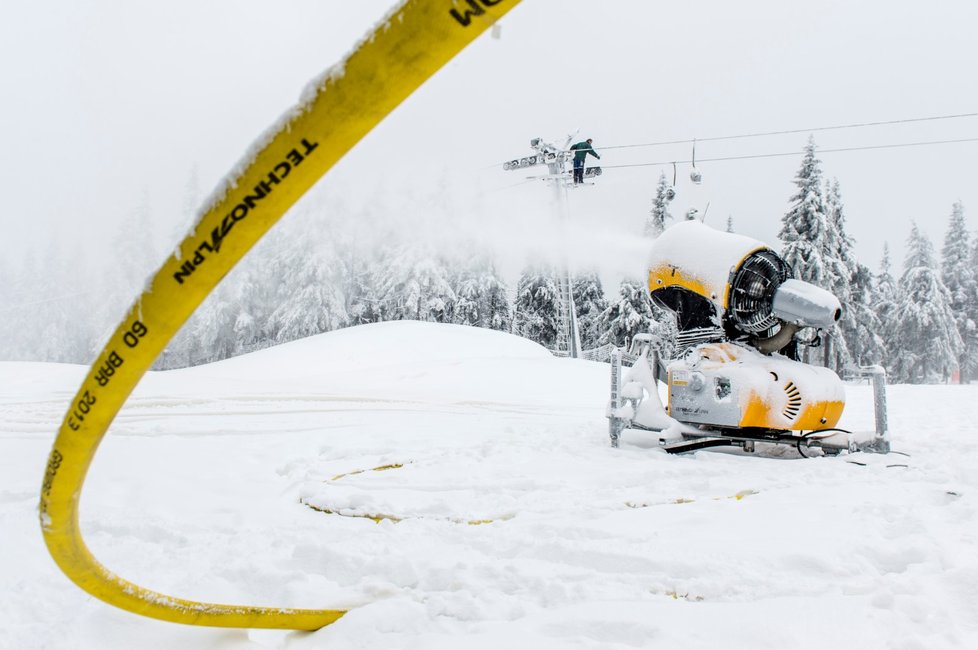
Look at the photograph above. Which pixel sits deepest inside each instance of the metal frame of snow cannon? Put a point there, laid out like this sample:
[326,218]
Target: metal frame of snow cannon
[881,441]
[554,158]
[728,386]
[629,390]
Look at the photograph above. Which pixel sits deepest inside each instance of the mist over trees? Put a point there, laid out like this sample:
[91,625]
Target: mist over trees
[920,322]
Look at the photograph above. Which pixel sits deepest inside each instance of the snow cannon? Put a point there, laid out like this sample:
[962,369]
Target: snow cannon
[731,364]
[724,286]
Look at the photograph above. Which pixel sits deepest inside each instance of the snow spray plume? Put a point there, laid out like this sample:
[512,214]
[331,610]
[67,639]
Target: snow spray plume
[527,227]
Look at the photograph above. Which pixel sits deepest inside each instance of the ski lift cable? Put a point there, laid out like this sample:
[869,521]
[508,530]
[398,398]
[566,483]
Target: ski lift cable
[855,125]
[795,153]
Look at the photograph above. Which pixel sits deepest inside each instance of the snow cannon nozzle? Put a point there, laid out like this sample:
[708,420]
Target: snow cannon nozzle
[804,304]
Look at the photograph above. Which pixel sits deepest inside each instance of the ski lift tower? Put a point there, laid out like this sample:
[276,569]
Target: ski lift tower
[568,334]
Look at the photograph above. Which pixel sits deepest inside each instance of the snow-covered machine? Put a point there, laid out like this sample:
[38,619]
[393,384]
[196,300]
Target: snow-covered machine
[731,366]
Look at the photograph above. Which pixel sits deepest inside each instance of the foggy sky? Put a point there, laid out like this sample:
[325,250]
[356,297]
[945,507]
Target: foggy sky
[107,102]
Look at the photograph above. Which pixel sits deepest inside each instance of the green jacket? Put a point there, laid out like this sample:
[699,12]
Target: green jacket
[581,150]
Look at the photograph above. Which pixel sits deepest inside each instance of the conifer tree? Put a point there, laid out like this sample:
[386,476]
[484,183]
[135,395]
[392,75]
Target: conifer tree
[535,312]
[632,313]
[861,324]
[358,280]
[45,308]
[841,268]
[655,223]
[970,369]
[495,297]
[804,228]
[415,285]
[927,343]
[885,307]
[214,329]
[481,299]
[959,276]
[590,303]
[311,302]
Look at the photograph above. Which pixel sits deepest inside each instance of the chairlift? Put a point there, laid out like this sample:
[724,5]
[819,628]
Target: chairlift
[695,174]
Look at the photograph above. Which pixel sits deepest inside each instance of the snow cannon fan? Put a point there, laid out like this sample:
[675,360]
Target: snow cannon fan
[731,369]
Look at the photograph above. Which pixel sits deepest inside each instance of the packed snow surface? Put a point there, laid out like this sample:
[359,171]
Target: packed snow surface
[503,518]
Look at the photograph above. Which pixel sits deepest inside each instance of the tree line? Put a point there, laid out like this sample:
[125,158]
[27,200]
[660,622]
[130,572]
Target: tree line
[920,325]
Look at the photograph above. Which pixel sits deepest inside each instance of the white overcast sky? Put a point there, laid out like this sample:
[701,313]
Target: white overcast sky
[104,102]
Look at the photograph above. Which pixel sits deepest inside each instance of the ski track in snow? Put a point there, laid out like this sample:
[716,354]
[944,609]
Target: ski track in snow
[198,491]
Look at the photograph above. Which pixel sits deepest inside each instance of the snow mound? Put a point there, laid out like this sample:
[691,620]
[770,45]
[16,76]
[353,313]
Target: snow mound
[401,360]
[383,343]
[456,488]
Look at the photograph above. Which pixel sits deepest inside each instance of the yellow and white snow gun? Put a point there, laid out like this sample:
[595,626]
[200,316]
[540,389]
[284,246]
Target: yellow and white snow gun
[732,367]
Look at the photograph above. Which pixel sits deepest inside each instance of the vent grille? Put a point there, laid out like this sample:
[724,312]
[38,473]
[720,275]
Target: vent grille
[793,408]
[688,338]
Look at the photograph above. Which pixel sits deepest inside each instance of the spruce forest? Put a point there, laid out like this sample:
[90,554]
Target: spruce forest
[918,319]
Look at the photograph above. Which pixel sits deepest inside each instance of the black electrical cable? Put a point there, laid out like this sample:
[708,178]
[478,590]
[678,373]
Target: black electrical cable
[804,436]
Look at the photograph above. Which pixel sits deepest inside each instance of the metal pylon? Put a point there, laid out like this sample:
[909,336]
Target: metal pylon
[568,336]
[568,339]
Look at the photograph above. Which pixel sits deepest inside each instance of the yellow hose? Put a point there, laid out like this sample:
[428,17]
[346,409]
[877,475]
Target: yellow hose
[416,40]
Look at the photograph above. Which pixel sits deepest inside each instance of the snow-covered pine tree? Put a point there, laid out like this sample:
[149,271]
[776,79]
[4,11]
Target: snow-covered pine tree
[236,318]
[655,223]
[358,273]
[190,205]
[970,369]
[137,254]
[535,312]
[214,325]
[927,342]
[804,228]
[65,307]
[44,307]
[311,302]
[137,257]
[807,232]
[885,307]
[495,297]
[220,328]
[730,227]
[481,296]
[632,313]
[841,267]
[590,303]
[862,326]
[959,276]
[415,284]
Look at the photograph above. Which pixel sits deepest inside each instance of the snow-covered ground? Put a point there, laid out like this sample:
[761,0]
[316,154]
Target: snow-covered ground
[506,521]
